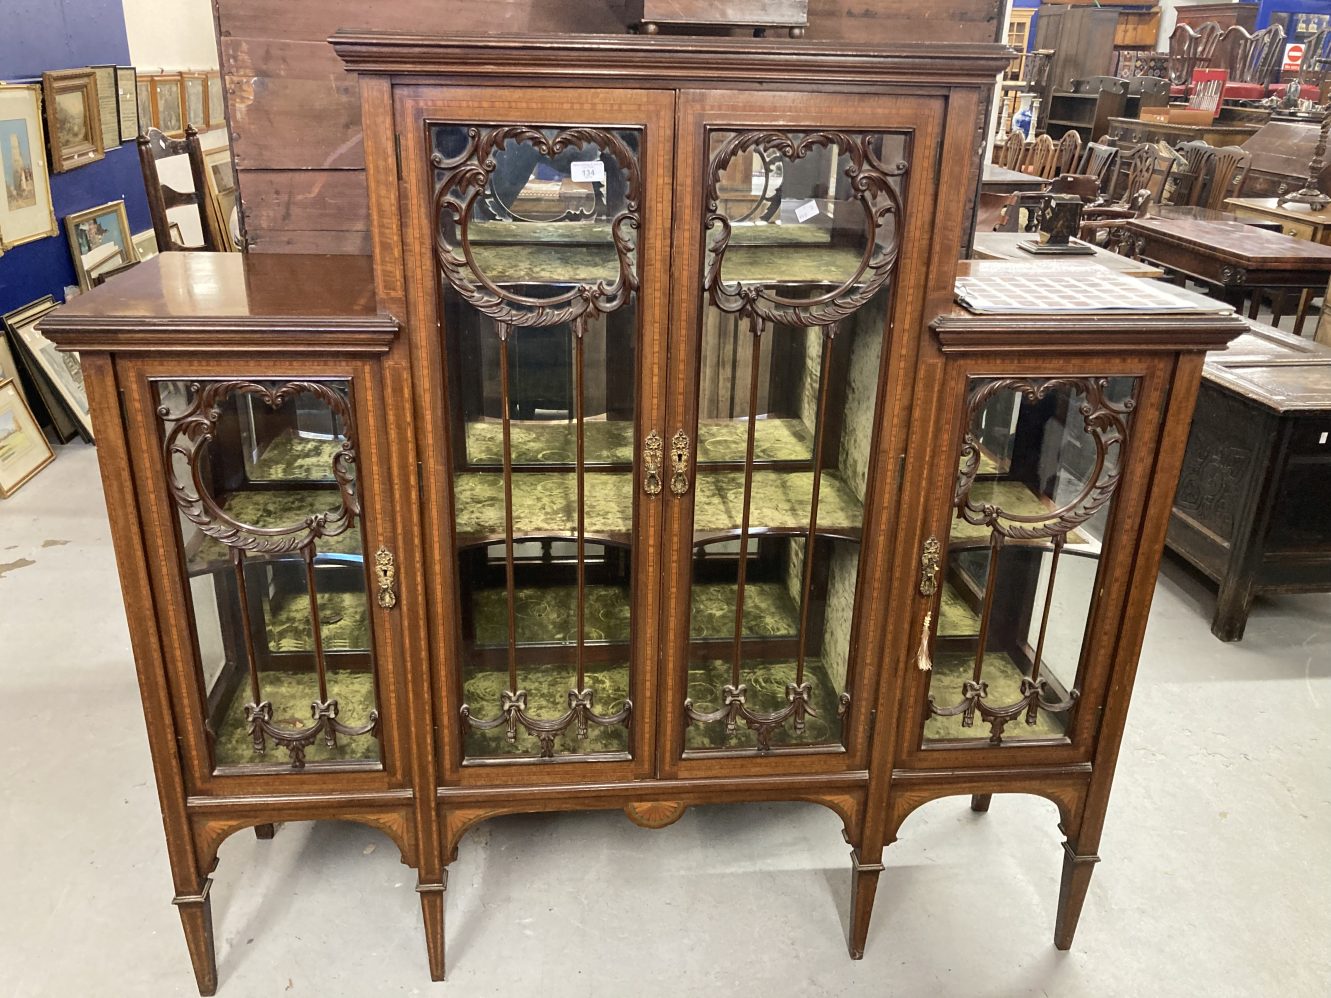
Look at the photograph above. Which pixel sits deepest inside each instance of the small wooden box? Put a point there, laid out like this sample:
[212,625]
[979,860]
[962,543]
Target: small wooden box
[650,15]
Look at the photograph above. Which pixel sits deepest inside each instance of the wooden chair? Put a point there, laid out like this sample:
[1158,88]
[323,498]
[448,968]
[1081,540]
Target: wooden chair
[1190,49]
[1251,60]
[1099,161]
[1314,69]
[1212,175]
[1138,169]
[1069,152]
[1014,150]
[154,146]
[1106,225]
[1041,158]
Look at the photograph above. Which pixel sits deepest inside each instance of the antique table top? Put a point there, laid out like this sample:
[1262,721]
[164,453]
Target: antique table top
[1004,246]
[1000,178]
[1294,212]
[1236,243]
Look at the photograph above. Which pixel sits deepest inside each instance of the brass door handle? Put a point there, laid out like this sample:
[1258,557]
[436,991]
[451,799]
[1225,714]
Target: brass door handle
[922,660]
[679,460]
[929,560]
[385,574]
[652,451]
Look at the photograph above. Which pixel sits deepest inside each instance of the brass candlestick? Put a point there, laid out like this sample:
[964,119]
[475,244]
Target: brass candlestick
[1311,195]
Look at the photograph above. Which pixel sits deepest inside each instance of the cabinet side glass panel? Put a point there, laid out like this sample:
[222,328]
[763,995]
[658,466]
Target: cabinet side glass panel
[1040,464]
[262,474]
[536,243]
[800,248]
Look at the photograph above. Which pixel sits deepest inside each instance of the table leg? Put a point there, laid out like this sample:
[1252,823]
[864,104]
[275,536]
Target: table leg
[1305,301]
[1277,307]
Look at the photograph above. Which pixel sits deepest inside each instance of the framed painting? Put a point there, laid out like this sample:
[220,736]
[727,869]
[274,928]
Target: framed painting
[143,90]
[24,449]
[99,239]
[108,105]
[26,212]
[59,414]
[216,101]
[221,174]
[62,369]
[73,118]
[196,99]
[169,104]
[127,102]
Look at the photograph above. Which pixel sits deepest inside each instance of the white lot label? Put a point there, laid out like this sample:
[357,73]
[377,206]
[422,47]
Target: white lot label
[588,171]
[806,211]
[1324,436]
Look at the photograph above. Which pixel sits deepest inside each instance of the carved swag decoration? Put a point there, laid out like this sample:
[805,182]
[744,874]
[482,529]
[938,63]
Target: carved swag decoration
[185,450]
[1106,423]
[462,182]
[874,184]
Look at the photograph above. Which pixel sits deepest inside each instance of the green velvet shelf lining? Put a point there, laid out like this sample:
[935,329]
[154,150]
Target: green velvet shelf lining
[612,442]
[293,458]
[547,615]
[545,503]
[561,264]
[952,669]
[546,234]
[291,694]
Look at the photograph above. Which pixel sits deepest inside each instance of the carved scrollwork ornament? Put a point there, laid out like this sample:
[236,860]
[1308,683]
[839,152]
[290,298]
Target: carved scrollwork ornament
[873,184]
[259,718]
[652,452]
[1105,422]
[194,430]
[514,713]
[465,180]
[734,708]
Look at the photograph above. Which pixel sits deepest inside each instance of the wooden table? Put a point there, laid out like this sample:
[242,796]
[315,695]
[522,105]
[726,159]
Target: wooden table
[1252,501]
[1000,180]
[1133,131]
[1298,222]
[1003,246]
[1233,258]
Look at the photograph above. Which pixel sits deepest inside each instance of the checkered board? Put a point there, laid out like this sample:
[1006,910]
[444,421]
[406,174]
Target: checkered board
[1068,288]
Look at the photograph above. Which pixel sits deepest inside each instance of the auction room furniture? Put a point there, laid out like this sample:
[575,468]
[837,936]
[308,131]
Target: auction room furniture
[1130,131]
[1087,108]
[155,145]
[1223,15]
[1256,484]
[1000,180]
[643,475]
[1233,258]
[1281,152]
[1191,47]
[1082,42]
[1006,246]
[1294,220]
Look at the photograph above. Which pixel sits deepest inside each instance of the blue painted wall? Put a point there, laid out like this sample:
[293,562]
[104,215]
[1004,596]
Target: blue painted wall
[1035,21]
[40,35]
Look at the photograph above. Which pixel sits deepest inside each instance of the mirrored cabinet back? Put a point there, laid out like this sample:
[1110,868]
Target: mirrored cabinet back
[647,465]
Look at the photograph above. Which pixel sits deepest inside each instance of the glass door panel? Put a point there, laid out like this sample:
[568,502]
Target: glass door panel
[264,481]
[1038,470]
[537,249]
[800,247]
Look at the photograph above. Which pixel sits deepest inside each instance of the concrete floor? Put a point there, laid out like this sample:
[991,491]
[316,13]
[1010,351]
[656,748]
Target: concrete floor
[1215,879]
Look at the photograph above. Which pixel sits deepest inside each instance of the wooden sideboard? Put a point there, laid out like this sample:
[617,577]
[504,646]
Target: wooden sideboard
[654,468]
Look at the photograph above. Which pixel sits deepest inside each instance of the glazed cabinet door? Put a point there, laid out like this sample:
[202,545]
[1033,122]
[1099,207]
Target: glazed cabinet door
[807,226]
[1039,476]
[538,290]
[268,504]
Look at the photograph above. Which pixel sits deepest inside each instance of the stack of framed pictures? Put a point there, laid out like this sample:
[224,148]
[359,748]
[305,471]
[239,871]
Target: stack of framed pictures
[170,101]
[26,212]
[56,377]
[100,242]
[222,194]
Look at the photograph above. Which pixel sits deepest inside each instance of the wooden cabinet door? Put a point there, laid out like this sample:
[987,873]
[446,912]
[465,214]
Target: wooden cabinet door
[537,246]
[267,504]
[801,253]
[1039,473]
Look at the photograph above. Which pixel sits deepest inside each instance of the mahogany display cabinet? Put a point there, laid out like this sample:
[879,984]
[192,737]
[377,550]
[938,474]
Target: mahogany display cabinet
[651,467]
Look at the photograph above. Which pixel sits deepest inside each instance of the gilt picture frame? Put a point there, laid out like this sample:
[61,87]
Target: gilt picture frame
[24,449]
[99,239]
[168,95]
[26,210]
[73,118]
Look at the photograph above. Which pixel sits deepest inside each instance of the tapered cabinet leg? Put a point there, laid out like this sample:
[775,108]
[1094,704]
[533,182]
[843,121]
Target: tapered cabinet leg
[432,913]
[863,887]
[265,832]
[980,802]
[1072,893]
[196,916]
